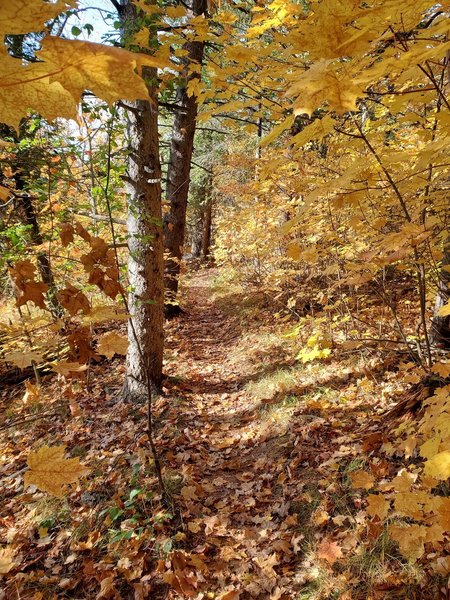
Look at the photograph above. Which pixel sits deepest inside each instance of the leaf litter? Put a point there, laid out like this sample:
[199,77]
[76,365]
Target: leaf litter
[271,475]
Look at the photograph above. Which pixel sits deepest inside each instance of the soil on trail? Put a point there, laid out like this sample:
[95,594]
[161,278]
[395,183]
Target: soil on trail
[249,465]
[233,464]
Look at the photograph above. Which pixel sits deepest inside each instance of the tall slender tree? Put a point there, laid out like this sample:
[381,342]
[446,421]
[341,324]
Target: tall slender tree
[178,173]
[145,233]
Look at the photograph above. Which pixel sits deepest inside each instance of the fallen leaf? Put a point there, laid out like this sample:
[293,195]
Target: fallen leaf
[329,551]
[230,595]
[23,359]
[377,506]
[107,588]
[32,392]
[438,466]
[50,471]
[67,368]
[362,479]
[7,561]
[320,517]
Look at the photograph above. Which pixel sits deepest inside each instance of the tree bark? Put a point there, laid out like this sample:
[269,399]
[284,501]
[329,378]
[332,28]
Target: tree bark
[178,173]
[145,244]
[197,234]
[207,226]
[440,326]
[145,238]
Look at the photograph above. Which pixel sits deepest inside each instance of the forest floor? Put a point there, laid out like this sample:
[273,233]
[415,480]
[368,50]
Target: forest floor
[258,453]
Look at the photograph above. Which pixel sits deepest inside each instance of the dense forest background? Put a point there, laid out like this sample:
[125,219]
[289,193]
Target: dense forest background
[225,299]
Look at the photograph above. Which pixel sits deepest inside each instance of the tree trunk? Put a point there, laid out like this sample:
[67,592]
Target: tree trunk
[207,225]
[145,244]
[197,234]
[178,173]
[30,218]
[440,326]
[145,238]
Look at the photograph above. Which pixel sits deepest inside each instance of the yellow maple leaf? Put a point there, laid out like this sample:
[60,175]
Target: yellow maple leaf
[377,506]
[112,343]
[410,504]
[403,481]
[322,82]
[28,86]
[430,448]
[23,359]
[278,130]
[7,561]
[66,368]
[50,471]
[336,38]
[410,539]
[315,131]
[438,466]
[67,68]
[442,369]
[23,16]
[362,479]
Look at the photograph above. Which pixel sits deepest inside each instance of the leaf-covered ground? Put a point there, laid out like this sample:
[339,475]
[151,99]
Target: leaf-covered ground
[265,462]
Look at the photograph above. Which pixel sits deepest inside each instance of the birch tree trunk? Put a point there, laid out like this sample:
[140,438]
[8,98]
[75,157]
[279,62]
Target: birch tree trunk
[145,244]
[145,237]
[178,173]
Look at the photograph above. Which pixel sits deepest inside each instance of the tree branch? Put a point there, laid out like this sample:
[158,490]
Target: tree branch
[82,213]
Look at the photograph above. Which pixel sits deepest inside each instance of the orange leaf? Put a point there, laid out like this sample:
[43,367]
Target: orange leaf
[329,551]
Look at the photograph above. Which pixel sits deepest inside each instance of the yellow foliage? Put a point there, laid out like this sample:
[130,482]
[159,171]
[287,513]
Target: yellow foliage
[410,539]
[23,16]
[53,86]
[444,311]
[318,346]
[23,359]
[322,83]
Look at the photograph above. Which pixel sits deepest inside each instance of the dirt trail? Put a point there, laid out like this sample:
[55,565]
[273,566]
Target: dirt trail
[238,488]
[257,457]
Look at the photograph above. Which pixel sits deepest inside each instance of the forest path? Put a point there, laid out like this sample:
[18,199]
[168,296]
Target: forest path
[241,494]
[256,450]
